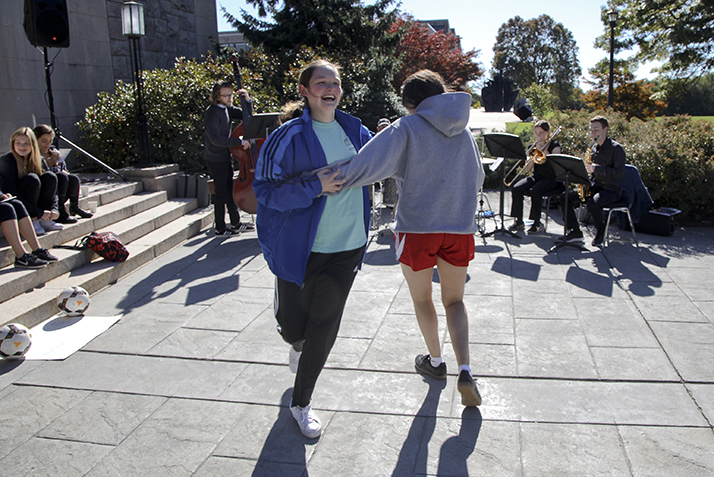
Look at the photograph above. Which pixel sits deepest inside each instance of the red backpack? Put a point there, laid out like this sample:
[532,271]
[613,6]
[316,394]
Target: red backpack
[105,244]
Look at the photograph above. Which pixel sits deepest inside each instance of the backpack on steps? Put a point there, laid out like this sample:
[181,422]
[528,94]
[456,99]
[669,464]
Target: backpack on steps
[105,244]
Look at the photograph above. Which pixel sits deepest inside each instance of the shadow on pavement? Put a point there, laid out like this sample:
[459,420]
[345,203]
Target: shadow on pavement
[414,455]
[283,453]
[455,451]
[215,257]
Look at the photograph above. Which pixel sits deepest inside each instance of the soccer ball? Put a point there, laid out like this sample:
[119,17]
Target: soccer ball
[15,340]
[73,301]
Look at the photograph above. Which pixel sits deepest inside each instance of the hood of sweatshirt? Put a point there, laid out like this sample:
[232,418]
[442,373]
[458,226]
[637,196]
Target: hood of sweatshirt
[447,112]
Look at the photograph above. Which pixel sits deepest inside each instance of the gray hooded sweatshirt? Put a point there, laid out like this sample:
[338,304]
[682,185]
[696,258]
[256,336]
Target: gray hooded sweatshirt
[435,161]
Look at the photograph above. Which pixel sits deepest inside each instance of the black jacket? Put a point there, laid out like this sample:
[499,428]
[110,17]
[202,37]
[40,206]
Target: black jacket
[217,139]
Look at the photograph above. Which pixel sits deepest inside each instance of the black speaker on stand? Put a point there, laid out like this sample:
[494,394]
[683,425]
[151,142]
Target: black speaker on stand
[47,23]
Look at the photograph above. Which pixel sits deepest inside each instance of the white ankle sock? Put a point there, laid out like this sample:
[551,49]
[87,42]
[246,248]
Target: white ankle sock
[436,362]
[465,367]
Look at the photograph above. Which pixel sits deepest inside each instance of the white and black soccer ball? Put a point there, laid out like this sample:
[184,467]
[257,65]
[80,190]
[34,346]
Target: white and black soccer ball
[15,340]
[73,301]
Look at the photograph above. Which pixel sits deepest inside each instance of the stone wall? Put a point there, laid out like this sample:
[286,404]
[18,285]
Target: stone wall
[97,57]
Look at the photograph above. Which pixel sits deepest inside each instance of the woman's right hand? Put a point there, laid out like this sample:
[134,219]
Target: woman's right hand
[328,181]
[53,158]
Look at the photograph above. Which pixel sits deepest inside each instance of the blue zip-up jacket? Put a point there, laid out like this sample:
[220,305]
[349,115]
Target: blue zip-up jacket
[289,208]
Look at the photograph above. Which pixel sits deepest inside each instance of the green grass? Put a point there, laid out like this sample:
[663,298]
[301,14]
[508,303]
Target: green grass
[517,128]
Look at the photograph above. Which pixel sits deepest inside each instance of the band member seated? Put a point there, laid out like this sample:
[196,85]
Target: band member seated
[606,171]
[217,144]
[536,186]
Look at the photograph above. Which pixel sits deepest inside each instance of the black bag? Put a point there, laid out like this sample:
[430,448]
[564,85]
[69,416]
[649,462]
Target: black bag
[105,244]
[657,221]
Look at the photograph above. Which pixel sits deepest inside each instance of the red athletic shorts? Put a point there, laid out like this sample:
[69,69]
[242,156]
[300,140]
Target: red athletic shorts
[419,251]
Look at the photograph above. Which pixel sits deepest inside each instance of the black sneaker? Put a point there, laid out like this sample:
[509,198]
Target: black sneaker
[244,227]
[64,218]
[466,385]
[77,210]
[44,254]
[517,225]
[228,231]
[599,237]
[574,235]
[422,363]
[535,228]
[29,261]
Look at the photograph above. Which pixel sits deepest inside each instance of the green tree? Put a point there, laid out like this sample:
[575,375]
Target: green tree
[540,99]
[538,51]
[358,38]
[342,27]
[678,32]
[693,96]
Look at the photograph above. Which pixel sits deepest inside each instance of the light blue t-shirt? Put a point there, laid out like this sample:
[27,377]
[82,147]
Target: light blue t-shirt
[341,226]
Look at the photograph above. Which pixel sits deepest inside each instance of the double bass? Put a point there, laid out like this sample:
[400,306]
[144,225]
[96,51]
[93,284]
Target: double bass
[243,193]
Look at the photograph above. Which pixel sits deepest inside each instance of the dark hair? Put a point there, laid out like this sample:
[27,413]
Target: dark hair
[216,91]
[543,124]
[602,120]
[421,85]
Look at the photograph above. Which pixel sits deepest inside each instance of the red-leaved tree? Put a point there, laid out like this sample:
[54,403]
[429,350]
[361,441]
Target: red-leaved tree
[422,48]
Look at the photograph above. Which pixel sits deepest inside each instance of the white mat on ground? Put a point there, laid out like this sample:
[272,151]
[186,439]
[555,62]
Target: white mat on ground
[60,336]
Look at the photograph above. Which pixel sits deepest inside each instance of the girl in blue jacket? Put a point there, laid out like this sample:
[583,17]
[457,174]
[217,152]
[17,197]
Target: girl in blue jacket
[314,244]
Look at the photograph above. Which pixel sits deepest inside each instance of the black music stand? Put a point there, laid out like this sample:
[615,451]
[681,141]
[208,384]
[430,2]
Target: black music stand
[567,169]
[260,125]
[504,145]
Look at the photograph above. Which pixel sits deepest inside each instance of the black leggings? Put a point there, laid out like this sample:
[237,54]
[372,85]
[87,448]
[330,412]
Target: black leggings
[67,188]
[311,315]
[12,210]
[536,188]
[40,192]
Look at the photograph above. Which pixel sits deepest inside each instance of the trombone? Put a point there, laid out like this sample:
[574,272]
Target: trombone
[534,155]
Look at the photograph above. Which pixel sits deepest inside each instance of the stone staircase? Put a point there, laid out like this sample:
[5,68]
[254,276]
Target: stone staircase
[143,212]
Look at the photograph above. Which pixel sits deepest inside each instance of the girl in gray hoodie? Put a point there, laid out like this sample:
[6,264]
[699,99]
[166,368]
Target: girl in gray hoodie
[436,163]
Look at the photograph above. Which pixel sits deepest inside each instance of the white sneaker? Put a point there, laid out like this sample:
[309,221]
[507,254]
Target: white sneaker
[38,228]
[294,359]
[307,420]
[50,225]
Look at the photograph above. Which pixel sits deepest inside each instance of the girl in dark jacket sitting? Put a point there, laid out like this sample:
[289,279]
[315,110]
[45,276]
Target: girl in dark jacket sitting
[21,176]
[67,183]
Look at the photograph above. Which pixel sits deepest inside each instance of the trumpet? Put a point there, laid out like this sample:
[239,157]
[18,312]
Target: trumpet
[534,155]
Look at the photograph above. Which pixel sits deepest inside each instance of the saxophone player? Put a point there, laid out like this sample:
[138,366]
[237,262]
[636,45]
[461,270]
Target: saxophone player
[606,171]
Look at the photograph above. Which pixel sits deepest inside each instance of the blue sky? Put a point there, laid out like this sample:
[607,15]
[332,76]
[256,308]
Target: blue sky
[477,22]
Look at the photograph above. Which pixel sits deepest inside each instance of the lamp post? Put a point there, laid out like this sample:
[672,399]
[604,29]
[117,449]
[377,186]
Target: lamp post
[132,18]
[612,17]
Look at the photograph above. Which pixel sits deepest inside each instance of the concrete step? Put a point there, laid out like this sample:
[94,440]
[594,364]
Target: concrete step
[95,273]
[102,193]
[17,281]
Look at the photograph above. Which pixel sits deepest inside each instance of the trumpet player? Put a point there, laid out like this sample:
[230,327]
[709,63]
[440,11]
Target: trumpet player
[606,171]
[538,185]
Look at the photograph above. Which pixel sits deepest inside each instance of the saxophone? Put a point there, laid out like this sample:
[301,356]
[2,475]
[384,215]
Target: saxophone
[584,189]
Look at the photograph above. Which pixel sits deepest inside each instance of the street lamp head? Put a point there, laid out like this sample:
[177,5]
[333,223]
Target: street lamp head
[132,19]
[612,17]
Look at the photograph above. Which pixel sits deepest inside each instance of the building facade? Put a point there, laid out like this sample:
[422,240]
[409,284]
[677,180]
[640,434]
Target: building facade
[97,57]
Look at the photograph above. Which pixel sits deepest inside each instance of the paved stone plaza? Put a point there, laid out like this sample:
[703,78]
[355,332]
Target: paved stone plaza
[589,363]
